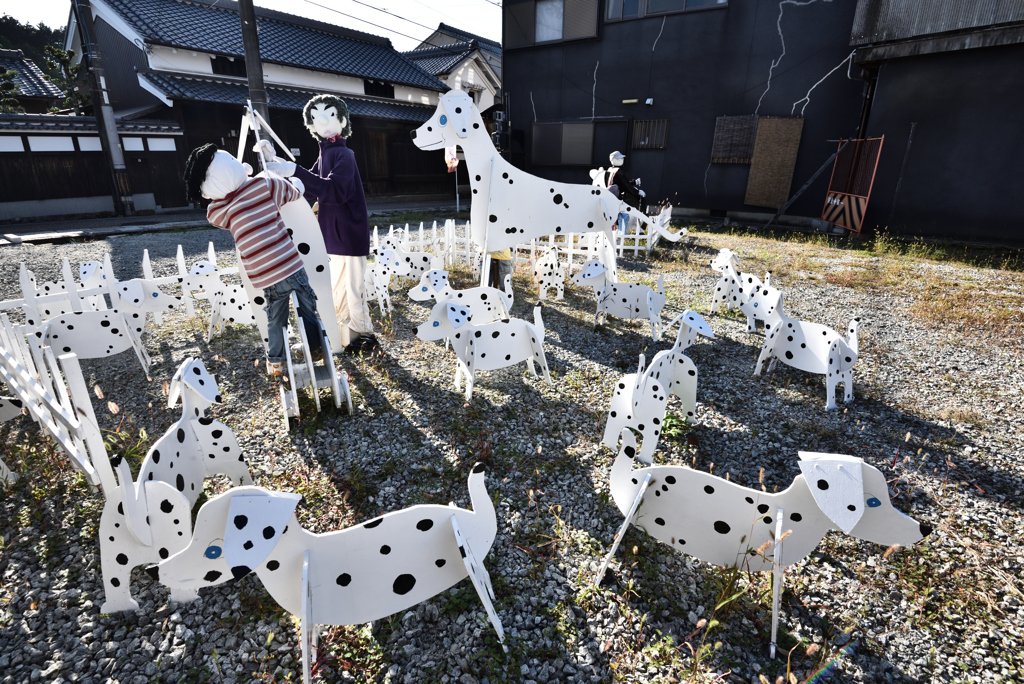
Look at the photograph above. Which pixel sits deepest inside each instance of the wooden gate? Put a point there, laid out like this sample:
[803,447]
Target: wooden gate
[853,176]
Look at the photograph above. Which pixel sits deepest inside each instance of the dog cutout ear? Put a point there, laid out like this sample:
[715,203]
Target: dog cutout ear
[840,357]
[254,526]
[697,322]
[202,268]
[132,293]
[436,263]
[459,107]
[457,315]
[174,390]
[198,380]
[836,482]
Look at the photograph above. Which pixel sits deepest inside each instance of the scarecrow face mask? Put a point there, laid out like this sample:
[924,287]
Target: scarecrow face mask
[327,122]
[224,175]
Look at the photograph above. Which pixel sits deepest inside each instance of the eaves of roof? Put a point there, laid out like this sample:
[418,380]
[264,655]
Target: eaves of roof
[492,46]
[63,123]
[224,90]
[442,60]
[284,39]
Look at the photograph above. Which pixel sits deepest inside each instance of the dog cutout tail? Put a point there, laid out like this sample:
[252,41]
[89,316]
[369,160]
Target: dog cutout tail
[661,223]
[538,321]
[852,339]
[509,295]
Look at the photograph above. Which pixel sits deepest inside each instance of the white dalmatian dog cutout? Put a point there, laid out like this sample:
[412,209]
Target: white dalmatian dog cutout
[509,205]
[347,577]
[230,304]
[640,400]
[195,447]
[377,284]
[485,304]
[485,347]
[404,263]
[623,300]
[734,289]
[93,274]
[94,335]
[549,273]
[809,347]
[726,524]
[139,297]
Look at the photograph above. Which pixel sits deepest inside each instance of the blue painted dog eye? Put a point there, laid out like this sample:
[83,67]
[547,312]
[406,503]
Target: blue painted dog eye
[437,323]
[873,503]
[156,294]
[424,289]
[755,305]
[443,119]
[212,552]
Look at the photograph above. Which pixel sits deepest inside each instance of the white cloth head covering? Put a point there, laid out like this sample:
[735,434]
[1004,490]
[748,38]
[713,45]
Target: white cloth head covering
[224,175]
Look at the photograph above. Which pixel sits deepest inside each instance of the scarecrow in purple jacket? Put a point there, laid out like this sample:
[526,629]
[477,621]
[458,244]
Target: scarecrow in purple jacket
[334,182]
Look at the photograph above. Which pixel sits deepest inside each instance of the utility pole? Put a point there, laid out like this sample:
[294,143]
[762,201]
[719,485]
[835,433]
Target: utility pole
[104,112]
[253,64]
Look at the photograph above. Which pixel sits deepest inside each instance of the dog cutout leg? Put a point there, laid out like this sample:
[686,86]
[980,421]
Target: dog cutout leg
[470,369]
[847,380]
[622,530]
[481,580]
[538,356]
[766,352]
[777,578]
[831,381]
[221,452]
[686,386]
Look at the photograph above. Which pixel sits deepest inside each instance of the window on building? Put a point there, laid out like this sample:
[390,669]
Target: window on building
[631,9]
[228,66]
[562,144]
[378,88]
[530,22]
[549,20]
[651,134]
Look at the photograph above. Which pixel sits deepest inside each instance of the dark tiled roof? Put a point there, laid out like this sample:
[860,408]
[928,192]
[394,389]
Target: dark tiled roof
[284,39]
[30,80]
[492,46]
[235,92]
[440,60]
[43,123]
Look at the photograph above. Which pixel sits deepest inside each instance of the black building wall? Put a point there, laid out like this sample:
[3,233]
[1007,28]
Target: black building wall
[121,58]
[706,63]
[963,176]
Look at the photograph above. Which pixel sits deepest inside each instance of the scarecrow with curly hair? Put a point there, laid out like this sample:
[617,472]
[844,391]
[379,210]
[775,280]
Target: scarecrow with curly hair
[334,183]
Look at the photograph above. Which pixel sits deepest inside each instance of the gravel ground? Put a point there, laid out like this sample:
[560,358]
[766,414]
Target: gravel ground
[938,409]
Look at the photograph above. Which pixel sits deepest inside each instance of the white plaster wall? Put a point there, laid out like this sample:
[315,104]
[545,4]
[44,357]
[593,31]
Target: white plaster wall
[278,74]
[186,61]
[467,75]
[416,95]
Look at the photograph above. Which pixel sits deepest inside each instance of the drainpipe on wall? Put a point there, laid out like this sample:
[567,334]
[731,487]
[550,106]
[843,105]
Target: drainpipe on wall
[110,142]
[870,77]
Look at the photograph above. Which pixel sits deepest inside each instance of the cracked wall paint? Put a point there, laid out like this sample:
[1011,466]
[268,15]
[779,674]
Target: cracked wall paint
[534,107]
[593,94]
[806,99]
[782,39]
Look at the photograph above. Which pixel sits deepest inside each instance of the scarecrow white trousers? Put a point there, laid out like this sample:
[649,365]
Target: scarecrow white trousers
[348,289]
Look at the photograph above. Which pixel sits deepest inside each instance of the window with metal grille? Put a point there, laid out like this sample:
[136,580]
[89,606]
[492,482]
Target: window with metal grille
[226,66]
[529,22]
[651,134]
[378,88]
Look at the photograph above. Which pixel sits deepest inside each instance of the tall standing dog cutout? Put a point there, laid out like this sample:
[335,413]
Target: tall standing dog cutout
[734,289]
[194,447]
[623,300]
[726,524]
[549,274]
[511,206]
[809,347]
[485,347]
[305,233]
[640,400]
[347,577]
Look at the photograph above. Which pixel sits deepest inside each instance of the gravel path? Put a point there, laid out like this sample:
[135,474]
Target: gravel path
[937,409]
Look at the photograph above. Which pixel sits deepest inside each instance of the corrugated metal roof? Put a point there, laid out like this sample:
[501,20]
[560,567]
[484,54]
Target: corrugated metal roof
[877,21]
[30,79]
[235,92]
[283,39]
[63,123]
[439,61]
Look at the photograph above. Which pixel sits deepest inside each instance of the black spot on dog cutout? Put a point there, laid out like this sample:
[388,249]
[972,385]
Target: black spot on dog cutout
[722,527]
[240,522]
[211,576]
[670,479]
[268,532]
[259,300]
[122,559]
[659,521]
[344,579]
[440,562]
[164,553]
[156,456]
[709,489]
[424,525]
[247,545]
[851,508]
[403,584]
[767,520]
[273,565]
[385,550]
[795,517]
[762,508]
[114,582]
[166,506]
[822,485]
[373,523]
[557,199]
[179,482]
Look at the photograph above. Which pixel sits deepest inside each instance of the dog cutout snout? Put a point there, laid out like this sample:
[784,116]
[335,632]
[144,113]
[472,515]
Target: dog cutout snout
[412,134]
[926,529]
[154,572]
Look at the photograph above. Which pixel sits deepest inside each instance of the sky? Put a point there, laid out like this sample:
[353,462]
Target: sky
[415,18]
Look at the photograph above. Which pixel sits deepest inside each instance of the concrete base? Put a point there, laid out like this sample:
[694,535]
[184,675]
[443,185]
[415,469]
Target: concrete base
[71,206]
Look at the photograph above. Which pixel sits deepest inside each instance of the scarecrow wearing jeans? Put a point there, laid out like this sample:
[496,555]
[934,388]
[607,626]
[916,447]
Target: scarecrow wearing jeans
[334,183]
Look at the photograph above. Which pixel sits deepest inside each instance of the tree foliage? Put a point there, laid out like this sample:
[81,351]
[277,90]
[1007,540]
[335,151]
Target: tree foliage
[70,79]
[8,92]
[32,40]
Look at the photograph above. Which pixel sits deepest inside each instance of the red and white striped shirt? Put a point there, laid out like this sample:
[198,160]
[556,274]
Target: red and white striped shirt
[252,215]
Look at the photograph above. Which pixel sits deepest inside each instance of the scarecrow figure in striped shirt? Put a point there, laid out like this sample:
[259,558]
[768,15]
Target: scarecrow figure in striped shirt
[333,181]
[249,208]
